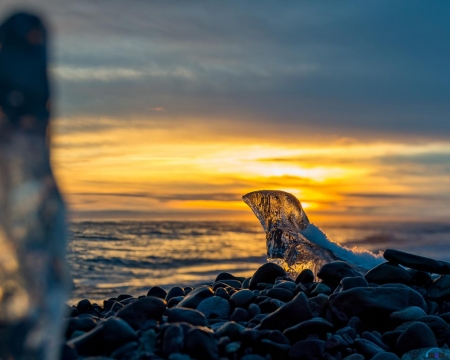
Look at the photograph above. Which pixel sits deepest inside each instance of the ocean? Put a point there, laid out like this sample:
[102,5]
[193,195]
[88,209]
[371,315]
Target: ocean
[112,258]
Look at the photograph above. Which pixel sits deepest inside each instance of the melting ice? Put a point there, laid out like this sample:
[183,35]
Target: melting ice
[293,242]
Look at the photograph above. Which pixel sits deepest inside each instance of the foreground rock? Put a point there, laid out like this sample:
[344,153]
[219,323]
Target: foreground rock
[270,316]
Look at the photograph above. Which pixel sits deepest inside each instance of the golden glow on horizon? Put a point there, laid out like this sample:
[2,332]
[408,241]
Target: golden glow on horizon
[158,172]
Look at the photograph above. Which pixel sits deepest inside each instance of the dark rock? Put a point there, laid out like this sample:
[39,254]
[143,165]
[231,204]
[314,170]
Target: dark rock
[222,293]
[253,310]
[439,290]
[367,348]
[187,290]
[84,324]
[249,337]
[419,278]
[417,262]
[117,332]
[230,329]
[439,327]
[281,294]
[390,337]
[416,336]
[173,339]
[200,344]
[294,312]
[141,310]
[320,288]
[305,276]
[89,344]
[233,283]
[388,273]
[385,356]
[84,306]
[266,273]
[125,349]
[174,292]
[68,353]
[242,298]
[123,297]
[375,338]
[225,276]
[354,357]
[308,350]
[117,306]
[410,313]
[319,305]
[353,282]
[253,357]
[239,315]
[300,331]
[175,301]
[246,283]
[278,337]
[276,350]
[333,272]
[267,306]
[374,305]
[288,285]
[214,307]
[190,316]
[196,296]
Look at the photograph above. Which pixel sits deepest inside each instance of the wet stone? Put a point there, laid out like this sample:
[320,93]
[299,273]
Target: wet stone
[174,301]
[214,307]
[266,273]
[141,310]
[417,262]
[173,340]
[439,327]
[305,276]
[84,306]
[221,292]
[190,316]
[308,350]
[225,276]
[416,336]
[174,292]
[300,331]
[117,332]
[439,289]
[230,329]
[367,348]
[200,344]
[353,282]
[410,313]
[320,288]
[239,315]
[388,273]
[195,297]
[294,312]
[280,294]
[242,298]
[233,283]
[333,272]
[253,310]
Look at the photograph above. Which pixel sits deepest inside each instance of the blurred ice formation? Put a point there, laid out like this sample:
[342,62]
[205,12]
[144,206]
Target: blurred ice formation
[33,271]
[293,242]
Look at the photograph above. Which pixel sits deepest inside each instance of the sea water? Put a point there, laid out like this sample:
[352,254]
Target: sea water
[110,258]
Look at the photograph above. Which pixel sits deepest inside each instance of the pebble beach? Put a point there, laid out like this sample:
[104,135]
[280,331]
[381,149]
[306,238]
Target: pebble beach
[397,310]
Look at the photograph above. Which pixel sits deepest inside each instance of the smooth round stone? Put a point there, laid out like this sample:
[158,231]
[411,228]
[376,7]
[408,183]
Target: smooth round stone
[278,337]
[187,290]
[253,310]
[79,324]
[416,336]
[242,298]
[305,276]
[266,273]
[373,305]
[417,262]
[308,349]
[174,292]
[173,339]
[410,313]
[174,301]
[232,347]
[431,353]
[301,331]
[294,312]
[141,310]
[280,294]
[319,305]
[190,316]
[420,278]
[320,288]
[288,285]
[388,273]
[116,333]
[124,349]
[333,272]
[353,282]
[200,344]
[214,307]
[233,283]
[354,357]
[280,351]
[246,283]
[196,296]
[239,315]
[231,329]
[117,306]
[84,306]
[439,327]
[123,297]
[89,344]
[221,292]
[385,356]
[439,289]
[225,276]
[390,337]
[375,337]
[367,348]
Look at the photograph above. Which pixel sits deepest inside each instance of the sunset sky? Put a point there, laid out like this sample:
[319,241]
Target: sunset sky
[175,109]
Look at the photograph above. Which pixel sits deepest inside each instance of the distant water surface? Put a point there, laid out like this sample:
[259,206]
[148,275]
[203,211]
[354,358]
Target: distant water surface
[109,258]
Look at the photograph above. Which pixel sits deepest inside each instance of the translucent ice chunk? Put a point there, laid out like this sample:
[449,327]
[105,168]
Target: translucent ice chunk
[33,274]
[293,242]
